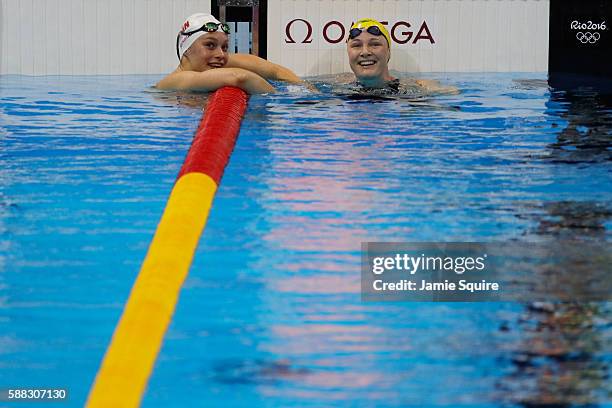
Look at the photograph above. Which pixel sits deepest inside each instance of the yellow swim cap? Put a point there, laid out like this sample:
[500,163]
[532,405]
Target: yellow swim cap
[365,23]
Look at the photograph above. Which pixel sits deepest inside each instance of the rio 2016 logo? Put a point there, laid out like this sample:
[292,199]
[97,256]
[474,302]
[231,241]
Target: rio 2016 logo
[334,32]
[588,32]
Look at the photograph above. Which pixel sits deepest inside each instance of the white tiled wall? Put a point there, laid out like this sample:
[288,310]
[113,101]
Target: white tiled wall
[41,37]
[48,37]
[470,35]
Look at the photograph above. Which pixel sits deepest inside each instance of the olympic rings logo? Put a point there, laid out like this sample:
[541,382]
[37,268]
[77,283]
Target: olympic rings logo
[587,37]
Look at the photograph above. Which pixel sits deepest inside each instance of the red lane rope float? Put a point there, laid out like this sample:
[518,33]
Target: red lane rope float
[212,145]
[131,355]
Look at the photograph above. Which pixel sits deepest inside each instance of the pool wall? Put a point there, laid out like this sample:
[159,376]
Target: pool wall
[77,37]
[428,36]
[88,37]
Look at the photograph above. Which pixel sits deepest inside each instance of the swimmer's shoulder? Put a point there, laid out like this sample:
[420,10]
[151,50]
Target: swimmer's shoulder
[172,80]
[187,80]
[411,84]
[166,82]
[345,78]
[433,86]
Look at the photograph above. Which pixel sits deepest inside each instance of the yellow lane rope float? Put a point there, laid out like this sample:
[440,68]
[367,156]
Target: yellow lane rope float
[131,355]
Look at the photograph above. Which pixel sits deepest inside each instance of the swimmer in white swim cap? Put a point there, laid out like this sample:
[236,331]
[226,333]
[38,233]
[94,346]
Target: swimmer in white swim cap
[206,65]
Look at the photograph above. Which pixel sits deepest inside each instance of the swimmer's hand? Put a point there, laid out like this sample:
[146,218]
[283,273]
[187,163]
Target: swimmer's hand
[303,88]
[435,87]
[284,74]
[213,79]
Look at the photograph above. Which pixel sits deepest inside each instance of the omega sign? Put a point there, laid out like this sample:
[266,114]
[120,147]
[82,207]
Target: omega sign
[333,32]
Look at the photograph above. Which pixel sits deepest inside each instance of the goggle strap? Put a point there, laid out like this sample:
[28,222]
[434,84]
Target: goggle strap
[224,27]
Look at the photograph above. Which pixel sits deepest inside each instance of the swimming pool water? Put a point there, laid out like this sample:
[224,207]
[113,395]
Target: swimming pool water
[270,314]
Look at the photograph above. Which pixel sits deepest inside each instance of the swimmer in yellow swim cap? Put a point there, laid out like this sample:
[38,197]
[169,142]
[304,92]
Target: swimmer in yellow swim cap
[369,51]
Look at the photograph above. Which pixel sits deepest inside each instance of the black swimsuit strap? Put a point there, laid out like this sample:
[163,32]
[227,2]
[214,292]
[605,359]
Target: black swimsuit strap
[392,86]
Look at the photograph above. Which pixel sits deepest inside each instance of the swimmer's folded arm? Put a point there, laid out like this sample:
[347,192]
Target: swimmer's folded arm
[214,79]
[266,69]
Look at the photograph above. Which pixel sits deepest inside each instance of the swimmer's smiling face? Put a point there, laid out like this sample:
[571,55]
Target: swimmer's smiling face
[369,57]
[208,52]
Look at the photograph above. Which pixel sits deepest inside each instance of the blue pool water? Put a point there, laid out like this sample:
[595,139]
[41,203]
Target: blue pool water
[270,314]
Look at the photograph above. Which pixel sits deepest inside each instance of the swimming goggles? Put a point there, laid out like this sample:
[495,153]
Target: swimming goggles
[355,32]
[207,27]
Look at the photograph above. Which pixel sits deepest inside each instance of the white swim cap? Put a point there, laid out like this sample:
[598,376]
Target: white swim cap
[192,29]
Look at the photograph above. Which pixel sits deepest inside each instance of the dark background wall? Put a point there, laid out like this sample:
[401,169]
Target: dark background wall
[580,42]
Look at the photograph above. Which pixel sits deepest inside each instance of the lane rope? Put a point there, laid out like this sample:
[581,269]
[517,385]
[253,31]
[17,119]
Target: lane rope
[130,357]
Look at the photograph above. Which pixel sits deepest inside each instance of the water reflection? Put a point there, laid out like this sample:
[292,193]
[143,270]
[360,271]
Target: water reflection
[312,178]
[561,360]
[571,219]
[256,371]
[562,357]
[194,100]
[587,137]
[331,184]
